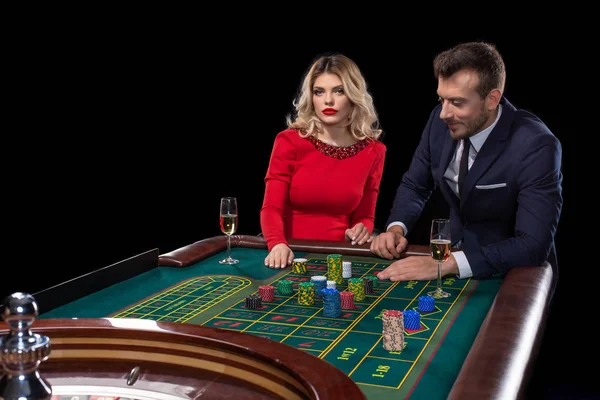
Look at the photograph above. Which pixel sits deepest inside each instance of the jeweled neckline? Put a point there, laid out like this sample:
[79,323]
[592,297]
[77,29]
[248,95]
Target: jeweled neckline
[339,152]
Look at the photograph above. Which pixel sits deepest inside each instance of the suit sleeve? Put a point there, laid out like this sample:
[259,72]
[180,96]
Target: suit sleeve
[277,184]
[365,212]
[539,206]
[417,183]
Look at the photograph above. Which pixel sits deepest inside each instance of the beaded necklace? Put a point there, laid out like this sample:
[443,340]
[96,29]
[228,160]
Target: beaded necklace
[336,151]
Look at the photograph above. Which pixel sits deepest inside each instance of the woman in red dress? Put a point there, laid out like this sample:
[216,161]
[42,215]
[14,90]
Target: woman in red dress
[325,168]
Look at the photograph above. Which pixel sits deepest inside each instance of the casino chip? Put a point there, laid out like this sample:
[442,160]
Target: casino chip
[412,320]
[331,303]
[306,293]
[320,282]
[372,278]
[299,265]
[346,269]
[356,286]
[285,287]
[426,303]
[368,286]
[253,302]
[393,330]
[334,268]
[267,292]
[347,299]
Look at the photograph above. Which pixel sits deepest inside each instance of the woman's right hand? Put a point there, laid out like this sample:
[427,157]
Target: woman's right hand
[280,256]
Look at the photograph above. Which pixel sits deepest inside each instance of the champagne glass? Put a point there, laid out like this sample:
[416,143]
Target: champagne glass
[229,221]
[439,246]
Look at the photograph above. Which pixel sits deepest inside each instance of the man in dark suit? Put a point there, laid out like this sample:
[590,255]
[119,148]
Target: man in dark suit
[505,198]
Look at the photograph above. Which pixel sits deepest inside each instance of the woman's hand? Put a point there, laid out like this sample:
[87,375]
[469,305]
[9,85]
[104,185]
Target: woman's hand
[359,234]
[280,256]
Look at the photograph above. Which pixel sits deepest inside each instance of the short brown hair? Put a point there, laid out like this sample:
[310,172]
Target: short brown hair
[481,57]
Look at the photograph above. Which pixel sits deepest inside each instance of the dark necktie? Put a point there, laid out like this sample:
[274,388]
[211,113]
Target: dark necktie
[464,165]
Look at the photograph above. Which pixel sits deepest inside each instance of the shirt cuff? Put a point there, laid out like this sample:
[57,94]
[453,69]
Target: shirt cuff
[398,223]
[464,269]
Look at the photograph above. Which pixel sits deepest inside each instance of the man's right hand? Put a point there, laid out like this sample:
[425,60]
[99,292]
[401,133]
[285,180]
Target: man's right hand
[389,244]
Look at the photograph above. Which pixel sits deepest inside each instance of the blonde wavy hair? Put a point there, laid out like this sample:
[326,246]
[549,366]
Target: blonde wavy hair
[363,122]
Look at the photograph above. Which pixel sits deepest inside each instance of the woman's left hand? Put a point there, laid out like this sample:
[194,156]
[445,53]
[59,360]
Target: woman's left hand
[359,234]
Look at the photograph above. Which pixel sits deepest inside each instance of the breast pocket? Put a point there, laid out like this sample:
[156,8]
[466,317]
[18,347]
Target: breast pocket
[492,186]
[494,201]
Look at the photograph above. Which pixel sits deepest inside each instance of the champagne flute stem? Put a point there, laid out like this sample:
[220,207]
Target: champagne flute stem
[439,281]
[228,247]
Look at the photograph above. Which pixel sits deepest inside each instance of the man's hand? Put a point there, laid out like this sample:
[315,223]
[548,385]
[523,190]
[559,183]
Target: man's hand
[359,234]
[417,268]
[280,256]
[389,244]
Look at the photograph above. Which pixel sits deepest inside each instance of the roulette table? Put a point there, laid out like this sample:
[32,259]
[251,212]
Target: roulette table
[183,308]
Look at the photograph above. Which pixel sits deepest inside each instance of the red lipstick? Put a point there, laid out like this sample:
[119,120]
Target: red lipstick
[329,111]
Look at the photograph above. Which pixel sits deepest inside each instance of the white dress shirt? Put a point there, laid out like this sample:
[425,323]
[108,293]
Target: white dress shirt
[451,176]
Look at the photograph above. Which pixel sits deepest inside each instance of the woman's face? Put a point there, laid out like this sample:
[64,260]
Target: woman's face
[331,104]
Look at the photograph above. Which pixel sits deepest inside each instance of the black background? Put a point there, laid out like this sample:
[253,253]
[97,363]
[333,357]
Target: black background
[124,139]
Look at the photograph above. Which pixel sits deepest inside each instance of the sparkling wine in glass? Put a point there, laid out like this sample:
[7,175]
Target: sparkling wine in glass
[229,221]
[439,246]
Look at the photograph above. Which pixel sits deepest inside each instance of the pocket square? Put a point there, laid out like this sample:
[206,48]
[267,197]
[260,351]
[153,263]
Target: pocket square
[492,186]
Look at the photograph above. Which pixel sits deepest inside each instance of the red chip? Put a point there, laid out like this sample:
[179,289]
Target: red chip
[392,313]
[267,292]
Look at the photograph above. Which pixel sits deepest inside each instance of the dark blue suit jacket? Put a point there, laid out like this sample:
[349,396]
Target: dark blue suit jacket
[512,197]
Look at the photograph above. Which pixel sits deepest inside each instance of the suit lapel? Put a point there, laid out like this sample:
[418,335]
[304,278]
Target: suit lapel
[447,153]
[491,149]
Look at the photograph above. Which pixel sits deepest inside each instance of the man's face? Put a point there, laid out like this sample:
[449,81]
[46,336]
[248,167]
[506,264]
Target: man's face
[463,110]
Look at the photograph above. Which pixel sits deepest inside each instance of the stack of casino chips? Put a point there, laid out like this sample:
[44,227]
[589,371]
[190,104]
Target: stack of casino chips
[412,320]
[331,285]
[285,287]
[356,286]
[373,278]
[299,265]
[347,269]
[306,293]
[266,292]
[253,302]
[347,300]
[426,303]
[334,268]
[320,282]
[368,286]
[393,330]
[331,303]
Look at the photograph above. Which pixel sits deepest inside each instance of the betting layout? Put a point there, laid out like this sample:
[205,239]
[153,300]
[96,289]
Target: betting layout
[381,336]
[351,341]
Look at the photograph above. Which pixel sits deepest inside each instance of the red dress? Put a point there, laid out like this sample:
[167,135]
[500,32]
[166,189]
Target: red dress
[316,191]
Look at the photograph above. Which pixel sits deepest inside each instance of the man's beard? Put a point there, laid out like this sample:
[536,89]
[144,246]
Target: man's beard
[473,126]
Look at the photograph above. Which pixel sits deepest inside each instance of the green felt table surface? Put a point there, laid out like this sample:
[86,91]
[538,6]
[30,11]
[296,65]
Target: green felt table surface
[209,293]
